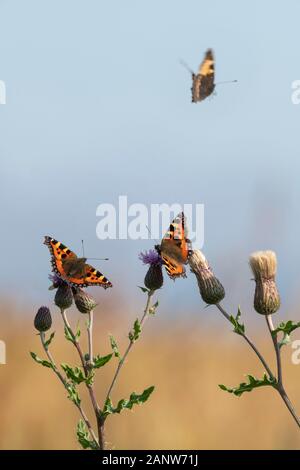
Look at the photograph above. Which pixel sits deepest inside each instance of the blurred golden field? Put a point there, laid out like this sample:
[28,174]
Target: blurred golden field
[184,360]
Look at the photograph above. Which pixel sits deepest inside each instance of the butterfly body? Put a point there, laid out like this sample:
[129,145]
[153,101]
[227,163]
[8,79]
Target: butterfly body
[203,81]
[72,269]
[175,248]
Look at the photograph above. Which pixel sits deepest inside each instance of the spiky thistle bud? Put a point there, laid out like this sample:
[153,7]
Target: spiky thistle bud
[211,289]
[83,301]
[63,296]
[154,276]
[266,297]
[43,320]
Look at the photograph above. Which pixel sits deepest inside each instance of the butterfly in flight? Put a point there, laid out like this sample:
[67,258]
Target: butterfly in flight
[175,248]
[72,269]
[204,81]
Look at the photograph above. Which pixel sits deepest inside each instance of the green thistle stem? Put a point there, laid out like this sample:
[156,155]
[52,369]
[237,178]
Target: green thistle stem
[65,384]
[280,386]
[90,336]
[85,365]
[251,344]
[276,347]
[131,343]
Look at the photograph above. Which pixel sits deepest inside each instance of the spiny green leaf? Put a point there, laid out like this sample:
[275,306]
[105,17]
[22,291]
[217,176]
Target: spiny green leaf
[135,333]
[78,332]
[123,404]
[41,361]
[250,385]
[73,394]
[101,361]
[75,374]
[83,436]
[114,347]
[239,328]
[285,340]
[108,408]
[90,379]
[144,289]
[68,335]
[285,328]
[48,342]
[152,309]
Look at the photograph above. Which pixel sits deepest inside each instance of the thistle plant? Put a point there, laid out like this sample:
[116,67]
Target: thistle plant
[73,377]
[266,302]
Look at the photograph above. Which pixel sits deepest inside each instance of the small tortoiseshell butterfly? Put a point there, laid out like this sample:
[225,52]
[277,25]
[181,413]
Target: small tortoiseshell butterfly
[72,269]
[175,248]
[203,81]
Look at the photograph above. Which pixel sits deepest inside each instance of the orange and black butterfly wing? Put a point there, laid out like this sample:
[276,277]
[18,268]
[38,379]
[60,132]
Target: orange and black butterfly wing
[204,80]
[93,277]
[173,268]
[175,248]
[62,257]
[59,253]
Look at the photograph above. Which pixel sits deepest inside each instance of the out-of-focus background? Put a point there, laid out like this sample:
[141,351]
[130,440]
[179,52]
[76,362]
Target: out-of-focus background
[184,359]
[98,106]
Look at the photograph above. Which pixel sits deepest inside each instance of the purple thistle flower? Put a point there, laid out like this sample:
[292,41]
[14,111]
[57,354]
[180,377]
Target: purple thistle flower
[151,257]
[56,281]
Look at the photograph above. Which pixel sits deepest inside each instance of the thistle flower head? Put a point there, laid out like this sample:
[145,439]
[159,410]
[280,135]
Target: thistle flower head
[151,257]
[198,262]
[154,277]
[63,296]
[211,289]
[56,280]
[264,267]
[83,301]
[43,320]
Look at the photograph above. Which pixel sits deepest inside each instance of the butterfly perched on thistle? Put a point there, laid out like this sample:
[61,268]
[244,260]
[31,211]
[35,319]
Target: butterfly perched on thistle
[72,269]
[204,81]
[175,247]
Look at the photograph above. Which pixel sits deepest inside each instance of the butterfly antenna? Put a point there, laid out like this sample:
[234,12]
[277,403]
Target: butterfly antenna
[185,65]
[82,245]
[149,231]
[100,259]
[150,234]
[228,81]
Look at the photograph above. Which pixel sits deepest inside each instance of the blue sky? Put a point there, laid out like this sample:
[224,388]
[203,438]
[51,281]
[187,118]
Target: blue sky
[99,106]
